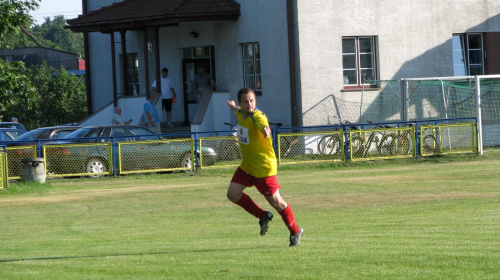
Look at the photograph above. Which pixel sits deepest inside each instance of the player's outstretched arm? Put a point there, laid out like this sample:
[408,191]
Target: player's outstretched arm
[232,105]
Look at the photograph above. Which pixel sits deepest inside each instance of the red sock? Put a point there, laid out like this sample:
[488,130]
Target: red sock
[249,205]
[289,219]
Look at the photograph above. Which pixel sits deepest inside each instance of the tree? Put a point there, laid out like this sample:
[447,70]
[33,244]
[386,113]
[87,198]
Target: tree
[39,96]
[51,34]
[62,38]
[60,98]
[63,96]
[14,14]
[14,84]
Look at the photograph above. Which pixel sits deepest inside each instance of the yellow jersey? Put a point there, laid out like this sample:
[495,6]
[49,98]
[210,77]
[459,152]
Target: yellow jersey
[258,155]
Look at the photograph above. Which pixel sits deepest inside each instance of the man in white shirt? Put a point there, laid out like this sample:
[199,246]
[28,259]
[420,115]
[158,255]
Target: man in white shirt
[117,118]
[167,94]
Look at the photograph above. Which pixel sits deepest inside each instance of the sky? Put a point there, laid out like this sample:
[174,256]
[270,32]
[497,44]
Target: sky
[50,8]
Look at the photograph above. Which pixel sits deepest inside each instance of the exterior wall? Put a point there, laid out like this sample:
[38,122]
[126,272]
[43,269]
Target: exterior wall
[100,69]
[414,40]
[100,61]
[226,37]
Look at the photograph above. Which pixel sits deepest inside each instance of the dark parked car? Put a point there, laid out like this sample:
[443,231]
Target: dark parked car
[10,134]
[152,153]
[36,137]
[53,132]
[14,125]
[32,137]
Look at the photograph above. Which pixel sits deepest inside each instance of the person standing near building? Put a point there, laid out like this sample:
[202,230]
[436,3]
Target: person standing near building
[258,167]
[151,115]
[168,94]
[202,82]
[117,118]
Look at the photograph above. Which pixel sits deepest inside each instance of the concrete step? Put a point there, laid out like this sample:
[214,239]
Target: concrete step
[178,127]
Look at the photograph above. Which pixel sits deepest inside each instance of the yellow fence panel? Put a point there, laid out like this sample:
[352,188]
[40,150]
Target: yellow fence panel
[310,147]
[3,171]
[155,156]
[448,139]
[14,156]
[78,160]
[382,143]
[226,149]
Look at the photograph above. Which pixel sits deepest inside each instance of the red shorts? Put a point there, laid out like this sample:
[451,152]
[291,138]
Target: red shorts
[266,186]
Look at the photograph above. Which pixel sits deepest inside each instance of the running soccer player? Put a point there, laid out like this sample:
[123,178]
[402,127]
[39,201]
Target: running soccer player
[258,167]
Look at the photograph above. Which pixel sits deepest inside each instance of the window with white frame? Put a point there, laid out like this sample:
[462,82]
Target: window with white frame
[251,67]
[468,53]
[359,60]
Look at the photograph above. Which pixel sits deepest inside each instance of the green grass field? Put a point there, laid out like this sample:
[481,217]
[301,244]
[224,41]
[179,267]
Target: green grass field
[434,219]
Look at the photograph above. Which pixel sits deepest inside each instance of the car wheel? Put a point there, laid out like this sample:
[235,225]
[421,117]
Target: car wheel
[186,161]
[95,165]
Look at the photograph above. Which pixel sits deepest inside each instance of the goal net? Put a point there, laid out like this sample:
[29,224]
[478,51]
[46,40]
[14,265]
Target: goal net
[450,98]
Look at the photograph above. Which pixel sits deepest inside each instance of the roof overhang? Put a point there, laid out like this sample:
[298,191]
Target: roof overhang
[140,14]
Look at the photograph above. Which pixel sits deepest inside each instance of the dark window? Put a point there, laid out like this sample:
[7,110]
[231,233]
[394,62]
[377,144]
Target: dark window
[132,74]
[252,75]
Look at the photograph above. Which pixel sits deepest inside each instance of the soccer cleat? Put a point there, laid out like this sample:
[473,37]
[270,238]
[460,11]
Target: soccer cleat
[295,239]
[170,124]
[264,223]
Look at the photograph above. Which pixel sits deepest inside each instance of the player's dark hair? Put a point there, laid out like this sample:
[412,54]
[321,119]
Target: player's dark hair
[164,70]
[244,91]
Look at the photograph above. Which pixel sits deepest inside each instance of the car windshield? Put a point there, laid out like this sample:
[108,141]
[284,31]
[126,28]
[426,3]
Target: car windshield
[32,134]
[13,125]
[12,135]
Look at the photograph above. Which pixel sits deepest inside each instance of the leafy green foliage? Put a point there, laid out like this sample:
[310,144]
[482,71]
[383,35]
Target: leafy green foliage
[15,86]
[59,98]
[14,14]
[14,83]
[40,96]
[51,34]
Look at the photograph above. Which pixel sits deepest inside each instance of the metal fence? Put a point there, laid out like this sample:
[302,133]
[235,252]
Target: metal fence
[14,157]
[299,145]
[305,147]
[226,148]
[359,142]
[165,155]
[447,139]
[62,160]
[3,170]
[382,143]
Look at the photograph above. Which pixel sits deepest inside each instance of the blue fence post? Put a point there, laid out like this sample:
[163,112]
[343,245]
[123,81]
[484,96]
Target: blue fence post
[275,141]
[39,148]
[346,142]
[196,152]
[113,153]
[417,139]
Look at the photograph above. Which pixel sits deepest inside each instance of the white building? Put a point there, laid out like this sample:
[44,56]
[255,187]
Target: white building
[298,54]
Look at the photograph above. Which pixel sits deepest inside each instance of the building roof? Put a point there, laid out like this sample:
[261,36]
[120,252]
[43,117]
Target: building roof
[137,14]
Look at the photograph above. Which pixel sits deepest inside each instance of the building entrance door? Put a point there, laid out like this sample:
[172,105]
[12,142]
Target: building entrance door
[190,98]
